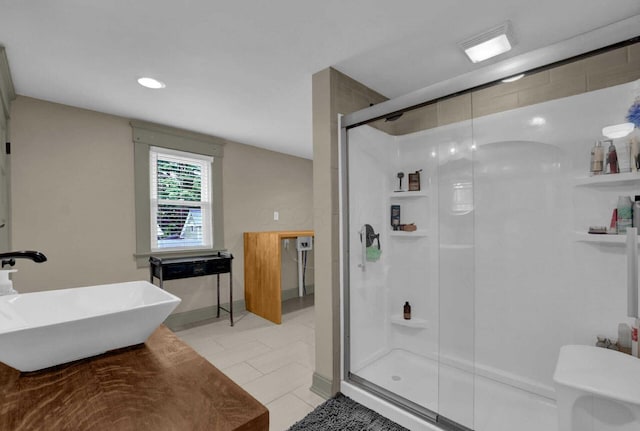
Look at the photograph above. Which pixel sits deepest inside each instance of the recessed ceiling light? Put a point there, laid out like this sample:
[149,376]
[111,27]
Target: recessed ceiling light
[513,78]
[151,83]
[488,44]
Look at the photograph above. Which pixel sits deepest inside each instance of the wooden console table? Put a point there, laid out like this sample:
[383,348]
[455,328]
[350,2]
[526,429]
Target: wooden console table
[195,266]
[160,385]
[262,271]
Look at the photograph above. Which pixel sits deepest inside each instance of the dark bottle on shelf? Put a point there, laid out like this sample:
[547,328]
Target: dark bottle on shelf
[407,311]
[612,159]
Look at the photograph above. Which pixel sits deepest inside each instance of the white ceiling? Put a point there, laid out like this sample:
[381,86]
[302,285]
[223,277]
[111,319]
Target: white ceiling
[241,69]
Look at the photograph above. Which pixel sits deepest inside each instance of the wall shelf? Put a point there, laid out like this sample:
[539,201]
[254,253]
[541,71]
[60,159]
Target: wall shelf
[607,180]
[601,239]
[415,234]
[602,181]
[404,195]
[414,322]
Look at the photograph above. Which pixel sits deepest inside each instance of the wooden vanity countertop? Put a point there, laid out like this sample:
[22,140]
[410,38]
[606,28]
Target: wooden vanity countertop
[160,385]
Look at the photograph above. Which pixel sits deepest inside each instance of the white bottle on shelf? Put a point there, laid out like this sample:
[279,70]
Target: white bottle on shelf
[624,156]
[636,213]
[6,285]
[597,159]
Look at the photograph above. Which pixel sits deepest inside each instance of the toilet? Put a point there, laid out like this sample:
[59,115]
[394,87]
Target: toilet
[597,389]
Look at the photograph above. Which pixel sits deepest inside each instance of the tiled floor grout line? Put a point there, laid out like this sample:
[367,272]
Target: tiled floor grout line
[255,340]
[295,395]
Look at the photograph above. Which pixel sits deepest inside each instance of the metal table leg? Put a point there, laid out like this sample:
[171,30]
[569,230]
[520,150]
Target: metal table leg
[219,307]
[230,296]
[218,292]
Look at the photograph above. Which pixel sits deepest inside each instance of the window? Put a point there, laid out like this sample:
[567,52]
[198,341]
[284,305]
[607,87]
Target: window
[180,200]
[178,192]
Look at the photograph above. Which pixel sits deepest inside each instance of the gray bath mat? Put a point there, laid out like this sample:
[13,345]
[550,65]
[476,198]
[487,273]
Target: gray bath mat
[343,414]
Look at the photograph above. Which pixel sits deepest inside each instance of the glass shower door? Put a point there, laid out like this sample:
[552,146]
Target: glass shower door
[422,360]
[456,252]
[391,351]
[367,262]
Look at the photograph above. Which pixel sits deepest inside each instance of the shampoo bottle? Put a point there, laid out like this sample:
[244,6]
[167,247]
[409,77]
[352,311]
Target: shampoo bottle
[395,217]
[636,213]
[597,159]
[612,158]
[407,311]
[635,154]
[625,210]
[623,150]
[624,338]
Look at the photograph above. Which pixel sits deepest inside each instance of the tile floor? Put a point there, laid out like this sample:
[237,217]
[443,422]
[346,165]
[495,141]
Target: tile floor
[274,363]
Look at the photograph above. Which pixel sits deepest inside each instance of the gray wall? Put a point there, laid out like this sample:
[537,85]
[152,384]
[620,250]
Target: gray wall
[73,199]
[6,96]
[333,93]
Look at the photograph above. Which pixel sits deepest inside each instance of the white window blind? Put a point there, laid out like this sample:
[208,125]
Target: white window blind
[181,213]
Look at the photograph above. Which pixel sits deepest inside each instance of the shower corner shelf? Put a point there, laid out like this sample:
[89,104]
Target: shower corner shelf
[411,323]
[407,194]
[601,239]
[415,234]
[607,180]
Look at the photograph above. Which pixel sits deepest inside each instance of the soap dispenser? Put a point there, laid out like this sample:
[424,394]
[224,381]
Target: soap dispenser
[407,311]
[6,285]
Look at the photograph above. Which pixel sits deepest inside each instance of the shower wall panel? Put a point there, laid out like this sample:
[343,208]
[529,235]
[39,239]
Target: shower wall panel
[414,256]
[536,287]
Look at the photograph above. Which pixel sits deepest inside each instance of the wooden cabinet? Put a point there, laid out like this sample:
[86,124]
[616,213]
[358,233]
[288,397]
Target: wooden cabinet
[262,272]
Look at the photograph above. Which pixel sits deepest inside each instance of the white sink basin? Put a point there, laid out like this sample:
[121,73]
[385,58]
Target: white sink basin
[42,329]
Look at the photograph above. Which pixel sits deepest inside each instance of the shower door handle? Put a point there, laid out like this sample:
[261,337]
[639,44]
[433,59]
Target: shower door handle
[363,241]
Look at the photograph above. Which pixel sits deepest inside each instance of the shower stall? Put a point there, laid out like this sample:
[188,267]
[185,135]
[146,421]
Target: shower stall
[489,249]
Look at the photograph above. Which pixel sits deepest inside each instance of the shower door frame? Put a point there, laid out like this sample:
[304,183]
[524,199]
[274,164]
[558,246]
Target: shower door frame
[618,34]
[409,406]
[606,38]
[346,375]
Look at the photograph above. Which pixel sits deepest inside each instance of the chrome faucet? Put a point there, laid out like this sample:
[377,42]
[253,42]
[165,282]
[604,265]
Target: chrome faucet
[10,258]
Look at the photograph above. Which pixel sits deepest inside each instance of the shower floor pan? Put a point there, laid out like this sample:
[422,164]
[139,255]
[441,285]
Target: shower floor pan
[404,373]
[481,403]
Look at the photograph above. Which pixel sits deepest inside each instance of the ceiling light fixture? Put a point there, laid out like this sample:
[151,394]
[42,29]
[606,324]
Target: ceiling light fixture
[488,44]
[618,130]
[151,83]
[513,78]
